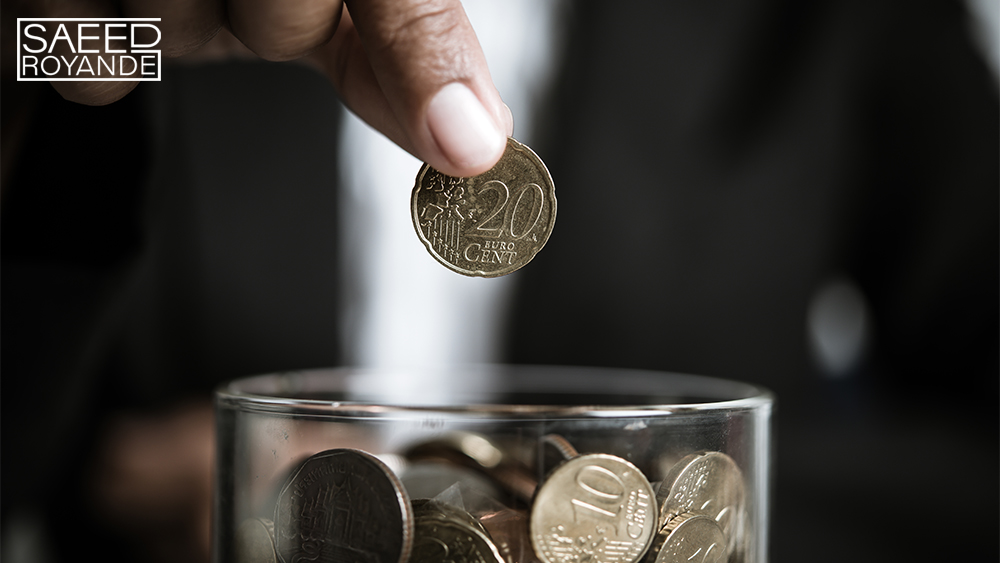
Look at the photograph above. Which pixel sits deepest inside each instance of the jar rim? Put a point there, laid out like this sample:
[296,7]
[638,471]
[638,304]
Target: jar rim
[489,390]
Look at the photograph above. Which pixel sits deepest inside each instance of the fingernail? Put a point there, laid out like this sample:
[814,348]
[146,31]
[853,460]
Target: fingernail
[462,127]
[510,121]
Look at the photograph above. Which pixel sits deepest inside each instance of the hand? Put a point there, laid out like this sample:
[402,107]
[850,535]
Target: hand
[413,69]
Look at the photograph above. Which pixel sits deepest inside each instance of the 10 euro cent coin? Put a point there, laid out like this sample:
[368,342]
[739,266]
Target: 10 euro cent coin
[597,508]
[487,225]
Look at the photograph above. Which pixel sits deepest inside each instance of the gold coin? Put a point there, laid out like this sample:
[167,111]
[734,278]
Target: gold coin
[706,483]
[689,538]
[439,540]
[487,225]
[594,507]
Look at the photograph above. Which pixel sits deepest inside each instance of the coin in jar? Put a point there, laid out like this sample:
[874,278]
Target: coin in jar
[509,530]
[594,507]
[487,225]
[343,505]
[430,508]
[689,538]
[480,454]
[555,449]
[446,538]
[708,483]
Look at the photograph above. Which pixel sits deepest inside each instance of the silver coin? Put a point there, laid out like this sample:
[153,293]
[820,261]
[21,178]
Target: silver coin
[708,483]
[343,505]
[597,508]
[255,541]
[689,538]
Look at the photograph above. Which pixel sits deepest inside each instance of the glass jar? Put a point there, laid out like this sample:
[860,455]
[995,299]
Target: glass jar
[535,463]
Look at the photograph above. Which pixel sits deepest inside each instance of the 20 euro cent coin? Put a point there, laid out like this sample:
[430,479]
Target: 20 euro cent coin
[487,225]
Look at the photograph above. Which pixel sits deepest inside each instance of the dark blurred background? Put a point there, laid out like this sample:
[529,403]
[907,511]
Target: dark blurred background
[802,195]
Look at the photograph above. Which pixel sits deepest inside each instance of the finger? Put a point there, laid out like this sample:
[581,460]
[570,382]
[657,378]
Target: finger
[281,30]
[185,25]
[344,61]
[425,71]
[96,93]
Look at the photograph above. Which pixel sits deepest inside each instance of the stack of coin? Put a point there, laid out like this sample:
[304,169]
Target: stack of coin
[708,484]
[585,503]
[347,505]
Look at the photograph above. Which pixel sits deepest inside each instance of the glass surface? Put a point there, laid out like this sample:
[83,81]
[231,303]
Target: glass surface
[268,425]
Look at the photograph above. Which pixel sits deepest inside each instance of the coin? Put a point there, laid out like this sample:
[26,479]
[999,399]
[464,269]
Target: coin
[468,447]
[708,483]
[509,530]
[453,541]
[555,449]
[343,505]
[594,507]
[689,538]
[255,541]
[487,225]
[430,508]
[476,452]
